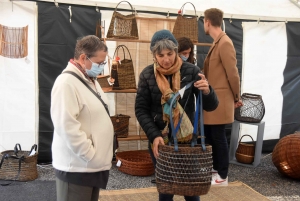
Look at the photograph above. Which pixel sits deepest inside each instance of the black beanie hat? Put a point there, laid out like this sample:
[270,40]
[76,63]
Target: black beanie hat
[162,34]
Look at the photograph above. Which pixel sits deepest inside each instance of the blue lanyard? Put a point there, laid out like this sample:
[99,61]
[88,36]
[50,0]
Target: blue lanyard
[199,106]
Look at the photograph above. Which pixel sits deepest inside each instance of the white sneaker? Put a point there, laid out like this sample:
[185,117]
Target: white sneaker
[218,181]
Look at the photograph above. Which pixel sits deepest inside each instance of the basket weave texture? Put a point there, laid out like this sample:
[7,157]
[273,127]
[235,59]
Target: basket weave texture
[121,124]
[10,167]
[253,109]
[123,26]
[136,162]
[186,172]
[286,155]
[123,72]
[186,26]
[245,151]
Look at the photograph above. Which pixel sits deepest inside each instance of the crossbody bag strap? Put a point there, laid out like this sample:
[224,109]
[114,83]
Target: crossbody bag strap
[97,95]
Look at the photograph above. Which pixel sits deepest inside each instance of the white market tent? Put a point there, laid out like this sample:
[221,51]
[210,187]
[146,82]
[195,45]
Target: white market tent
[18,77]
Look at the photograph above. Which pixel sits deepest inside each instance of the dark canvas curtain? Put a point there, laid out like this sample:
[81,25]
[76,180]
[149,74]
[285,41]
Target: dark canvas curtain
[291,85]
[56,42]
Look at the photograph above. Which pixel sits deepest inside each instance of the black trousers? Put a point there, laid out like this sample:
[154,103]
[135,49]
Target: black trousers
[216,137]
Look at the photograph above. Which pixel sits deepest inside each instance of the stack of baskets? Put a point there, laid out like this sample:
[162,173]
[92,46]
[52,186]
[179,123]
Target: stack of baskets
[136,162]
[245,151]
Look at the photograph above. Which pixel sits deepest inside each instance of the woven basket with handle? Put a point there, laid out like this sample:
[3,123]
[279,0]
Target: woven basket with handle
[123,26]
[245,151]
[18,165]
[123,70]
[186,26]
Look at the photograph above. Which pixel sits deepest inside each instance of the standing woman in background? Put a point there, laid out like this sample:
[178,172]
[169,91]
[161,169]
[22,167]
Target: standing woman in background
[186,50]
[82,147]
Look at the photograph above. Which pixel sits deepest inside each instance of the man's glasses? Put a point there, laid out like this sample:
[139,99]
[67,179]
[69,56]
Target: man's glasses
[102,63]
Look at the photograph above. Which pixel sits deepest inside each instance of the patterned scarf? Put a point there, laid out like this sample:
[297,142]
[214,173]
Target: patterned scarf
[167,94]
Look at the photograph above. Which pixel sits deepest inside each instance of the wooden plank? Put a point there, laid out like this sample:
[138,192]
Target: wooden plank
[133,137]
[146,41]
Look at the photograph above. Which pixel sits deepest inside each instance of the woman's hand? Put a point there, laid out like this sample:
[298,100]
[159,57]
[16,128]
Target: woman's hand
[202,84]
[156,142]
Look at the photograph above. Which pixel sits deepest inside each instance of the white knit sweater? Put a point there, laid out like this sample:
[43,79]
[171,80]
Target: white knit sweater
[83,131]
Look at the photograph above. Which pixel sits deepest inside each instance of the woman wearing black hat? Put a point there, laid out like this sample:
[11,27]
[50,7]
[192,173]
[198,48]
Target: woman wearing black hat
[157,83]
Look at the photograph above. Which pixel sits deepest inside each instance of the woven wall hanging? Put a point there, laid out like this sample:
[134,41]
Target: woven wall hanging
[13,41]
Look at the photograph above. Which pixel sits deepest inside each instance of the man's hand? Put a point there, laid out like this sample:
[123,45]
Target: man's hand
[156,142]
[202,84]
[238,104]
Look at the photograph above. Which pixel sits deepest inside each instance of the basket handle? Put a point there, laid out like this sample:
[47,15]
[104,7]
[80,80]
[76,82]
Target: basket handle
[126,2]
[122,46]
[16,149]
[251,95]
[244,136]
[189,3]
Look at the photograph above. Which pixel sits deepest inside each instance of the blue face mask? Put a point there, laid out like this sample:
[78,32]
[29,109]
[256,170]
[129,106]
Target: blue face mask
[95,70]
[183,58]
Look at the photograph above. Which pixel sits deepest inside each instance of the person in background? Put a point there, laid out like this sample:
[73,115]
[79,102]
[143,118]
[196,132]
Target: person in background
[157,83]
[82,147]
[222,74]
[186,50]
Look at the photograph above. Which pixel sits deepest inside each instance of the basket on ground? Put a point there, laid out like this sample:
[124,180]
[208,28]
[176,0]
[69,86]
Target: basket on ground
[121,124]
[16,162]
[136,162]
[286,155]
[245,151]
[184,172]
[253,109]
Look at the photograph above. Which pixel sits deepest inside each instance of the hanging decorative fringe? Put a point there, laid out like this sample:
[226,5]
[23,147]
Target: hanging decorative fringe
[13,41]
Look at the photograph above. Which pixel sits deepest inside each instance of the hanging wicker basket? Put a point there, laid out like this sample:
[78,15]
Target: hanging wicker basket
[245,151]
[137,163]
[253,109]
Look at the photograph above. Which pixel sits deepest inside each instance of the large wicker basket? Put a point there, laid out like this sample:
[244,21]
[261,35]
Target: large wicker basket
[186,172]
[10,165]
[245,151]
[286,155]
[136,162]
[121,124]
[253,109]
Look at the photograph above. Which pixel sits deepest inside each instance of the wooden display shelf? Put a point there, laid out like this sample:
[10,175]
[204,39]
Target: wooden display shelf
[110,90]
[146,41]
[133,138]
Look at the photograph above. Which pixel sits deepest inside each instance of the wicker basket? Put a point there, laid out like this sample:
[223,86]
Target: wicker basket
[136,162]
[186,172]
[123,26]
[245,151]
[121,124]
[10,166]
[286,155]
[253,109]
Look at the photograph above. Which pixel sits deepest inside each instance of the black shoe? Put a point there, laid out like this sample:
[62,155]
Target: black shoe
[153,181]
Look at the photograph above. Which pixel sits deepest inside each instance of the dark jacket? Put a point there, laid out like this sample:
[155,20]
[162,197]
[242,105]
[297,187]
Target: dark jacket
[148,108]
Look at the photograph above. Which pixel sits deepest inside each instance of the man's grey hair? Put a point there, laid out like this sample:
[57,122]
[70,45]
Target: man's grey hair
[162,45]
